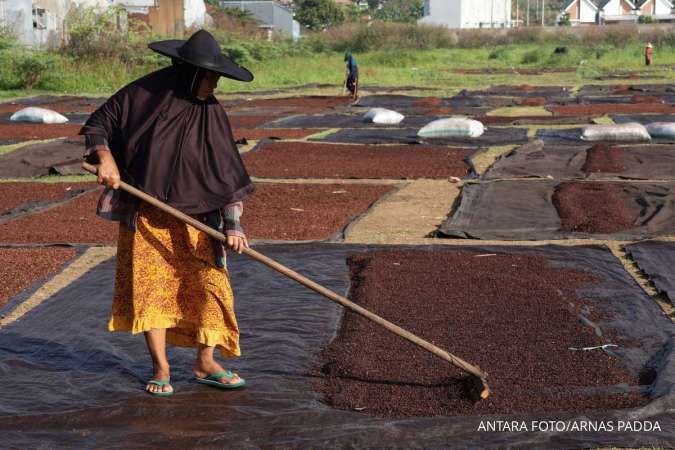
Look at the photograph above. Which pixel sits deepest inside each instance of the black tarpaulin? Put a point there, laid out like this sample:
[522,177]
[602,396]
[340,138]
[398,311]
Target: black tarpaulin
[74,104]
[62,156]
[623,89]
[536,160]
[460,104]
[521,91]
[535,120]
[492,136]
[73,118]
[524,210]
[643,118]
[343,121]
[404,101]
[572,136]
[68,383]
[656,259]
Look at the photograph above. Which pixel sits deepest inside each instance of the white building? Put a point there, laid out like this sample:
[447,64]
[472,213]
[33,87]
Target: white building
[655,8]
[34,22]
[467,13]
[581,12]
[617,11]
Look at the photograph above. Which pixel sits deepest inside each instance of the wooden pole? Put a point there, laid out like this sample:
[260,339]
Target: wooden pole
[428,346]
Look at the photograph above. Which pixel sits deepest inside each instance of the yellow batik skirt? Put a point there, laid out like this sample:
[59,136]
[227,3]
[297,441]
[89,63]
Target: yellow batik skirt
[166,278]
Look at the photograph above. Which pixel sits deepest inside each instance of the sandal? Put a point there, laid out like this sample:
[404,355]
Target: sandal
[212,380]
[160,383]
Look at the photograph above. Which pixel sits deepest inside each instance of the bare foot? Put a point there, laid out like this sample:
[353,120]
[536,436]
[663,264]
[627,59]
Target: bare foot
[203,369]
[160,374]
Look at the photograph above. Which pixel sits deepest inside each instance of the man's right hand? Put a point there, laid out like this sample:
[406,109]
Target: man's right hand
[108,174]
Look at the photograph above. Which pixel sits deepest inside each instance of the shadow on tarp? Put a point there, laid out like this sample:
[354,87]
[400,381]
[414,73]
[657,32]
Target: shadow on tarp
[572,136]
[656,259]
[565,162]
[68,383]
[524,210]
[492,136]
[62,156]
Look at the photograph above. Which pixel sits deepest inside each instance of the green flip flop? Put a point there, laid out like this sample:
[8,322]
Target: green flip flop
[160,383]
[212,380]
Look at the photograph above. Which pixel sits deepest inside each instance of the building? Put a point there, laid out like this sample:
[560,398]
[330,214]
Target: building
[35,22]
[271,16]
[467,13]
[613,11]
[581,12]
[655,8]
[42,23]
[167,17]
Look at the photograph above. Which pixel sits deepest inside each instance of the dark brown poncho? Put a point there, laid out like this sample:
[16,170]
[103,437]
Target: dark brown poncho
[171,145]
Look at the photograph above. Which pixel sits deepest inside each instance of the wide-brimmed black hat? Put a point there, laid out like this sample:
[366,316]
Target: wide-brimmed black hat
[202,50]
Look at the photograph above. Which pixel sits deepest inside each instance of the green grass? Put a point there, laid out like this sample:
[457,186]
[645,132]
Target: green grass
[421,68]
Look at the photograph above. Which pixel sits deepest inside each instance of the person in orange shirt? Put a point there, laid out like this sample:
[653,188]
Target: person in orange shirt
[649,51]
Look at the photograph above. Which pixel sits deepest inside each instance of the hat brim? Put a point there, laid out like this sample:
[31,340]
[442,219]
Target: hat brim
[226,67]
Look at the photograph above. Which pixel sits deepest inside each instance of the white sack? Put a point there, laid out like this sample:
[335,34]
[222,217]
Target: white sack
[384,116]
[664,130]
[455,127]
[38,115]
[632,132]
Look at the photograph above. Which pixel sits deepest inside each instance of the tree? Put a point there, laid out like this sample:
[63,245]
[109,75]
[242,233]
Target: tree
[400,10]
[318,14]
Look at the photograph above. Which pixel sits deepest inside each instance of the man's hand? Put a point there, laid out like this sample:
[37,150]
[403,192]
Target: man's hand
[108,174]
[237,243]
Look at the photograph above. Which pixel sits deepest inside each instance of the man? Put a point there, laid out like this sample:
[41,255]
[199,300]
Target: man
[352,77]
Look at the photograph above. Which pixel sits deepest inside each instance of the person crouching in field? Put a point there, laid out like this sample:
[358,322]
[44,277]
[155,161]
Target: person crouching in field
[649,53]
[352,76]
[167,135]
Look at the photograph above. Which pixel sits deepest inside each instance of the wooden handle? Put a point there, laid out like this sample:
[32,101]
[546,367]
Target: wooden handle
[452,359]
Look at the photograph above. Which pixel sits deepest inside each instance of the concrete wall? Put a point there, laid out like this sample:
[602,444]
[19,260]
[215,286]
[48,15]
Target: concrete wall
[439,12]
[194,13]
[467,13]
[485,13]
[18,17]
[49,18]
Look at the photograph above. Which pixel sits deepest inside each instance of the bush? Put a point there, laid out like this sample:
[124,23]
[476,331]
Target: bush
[645,19]
[386,36]
[105,34]
[533,56]
[24,69]
[7,38]
[237,53]
[318,14]
[500,53]
[564,20]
